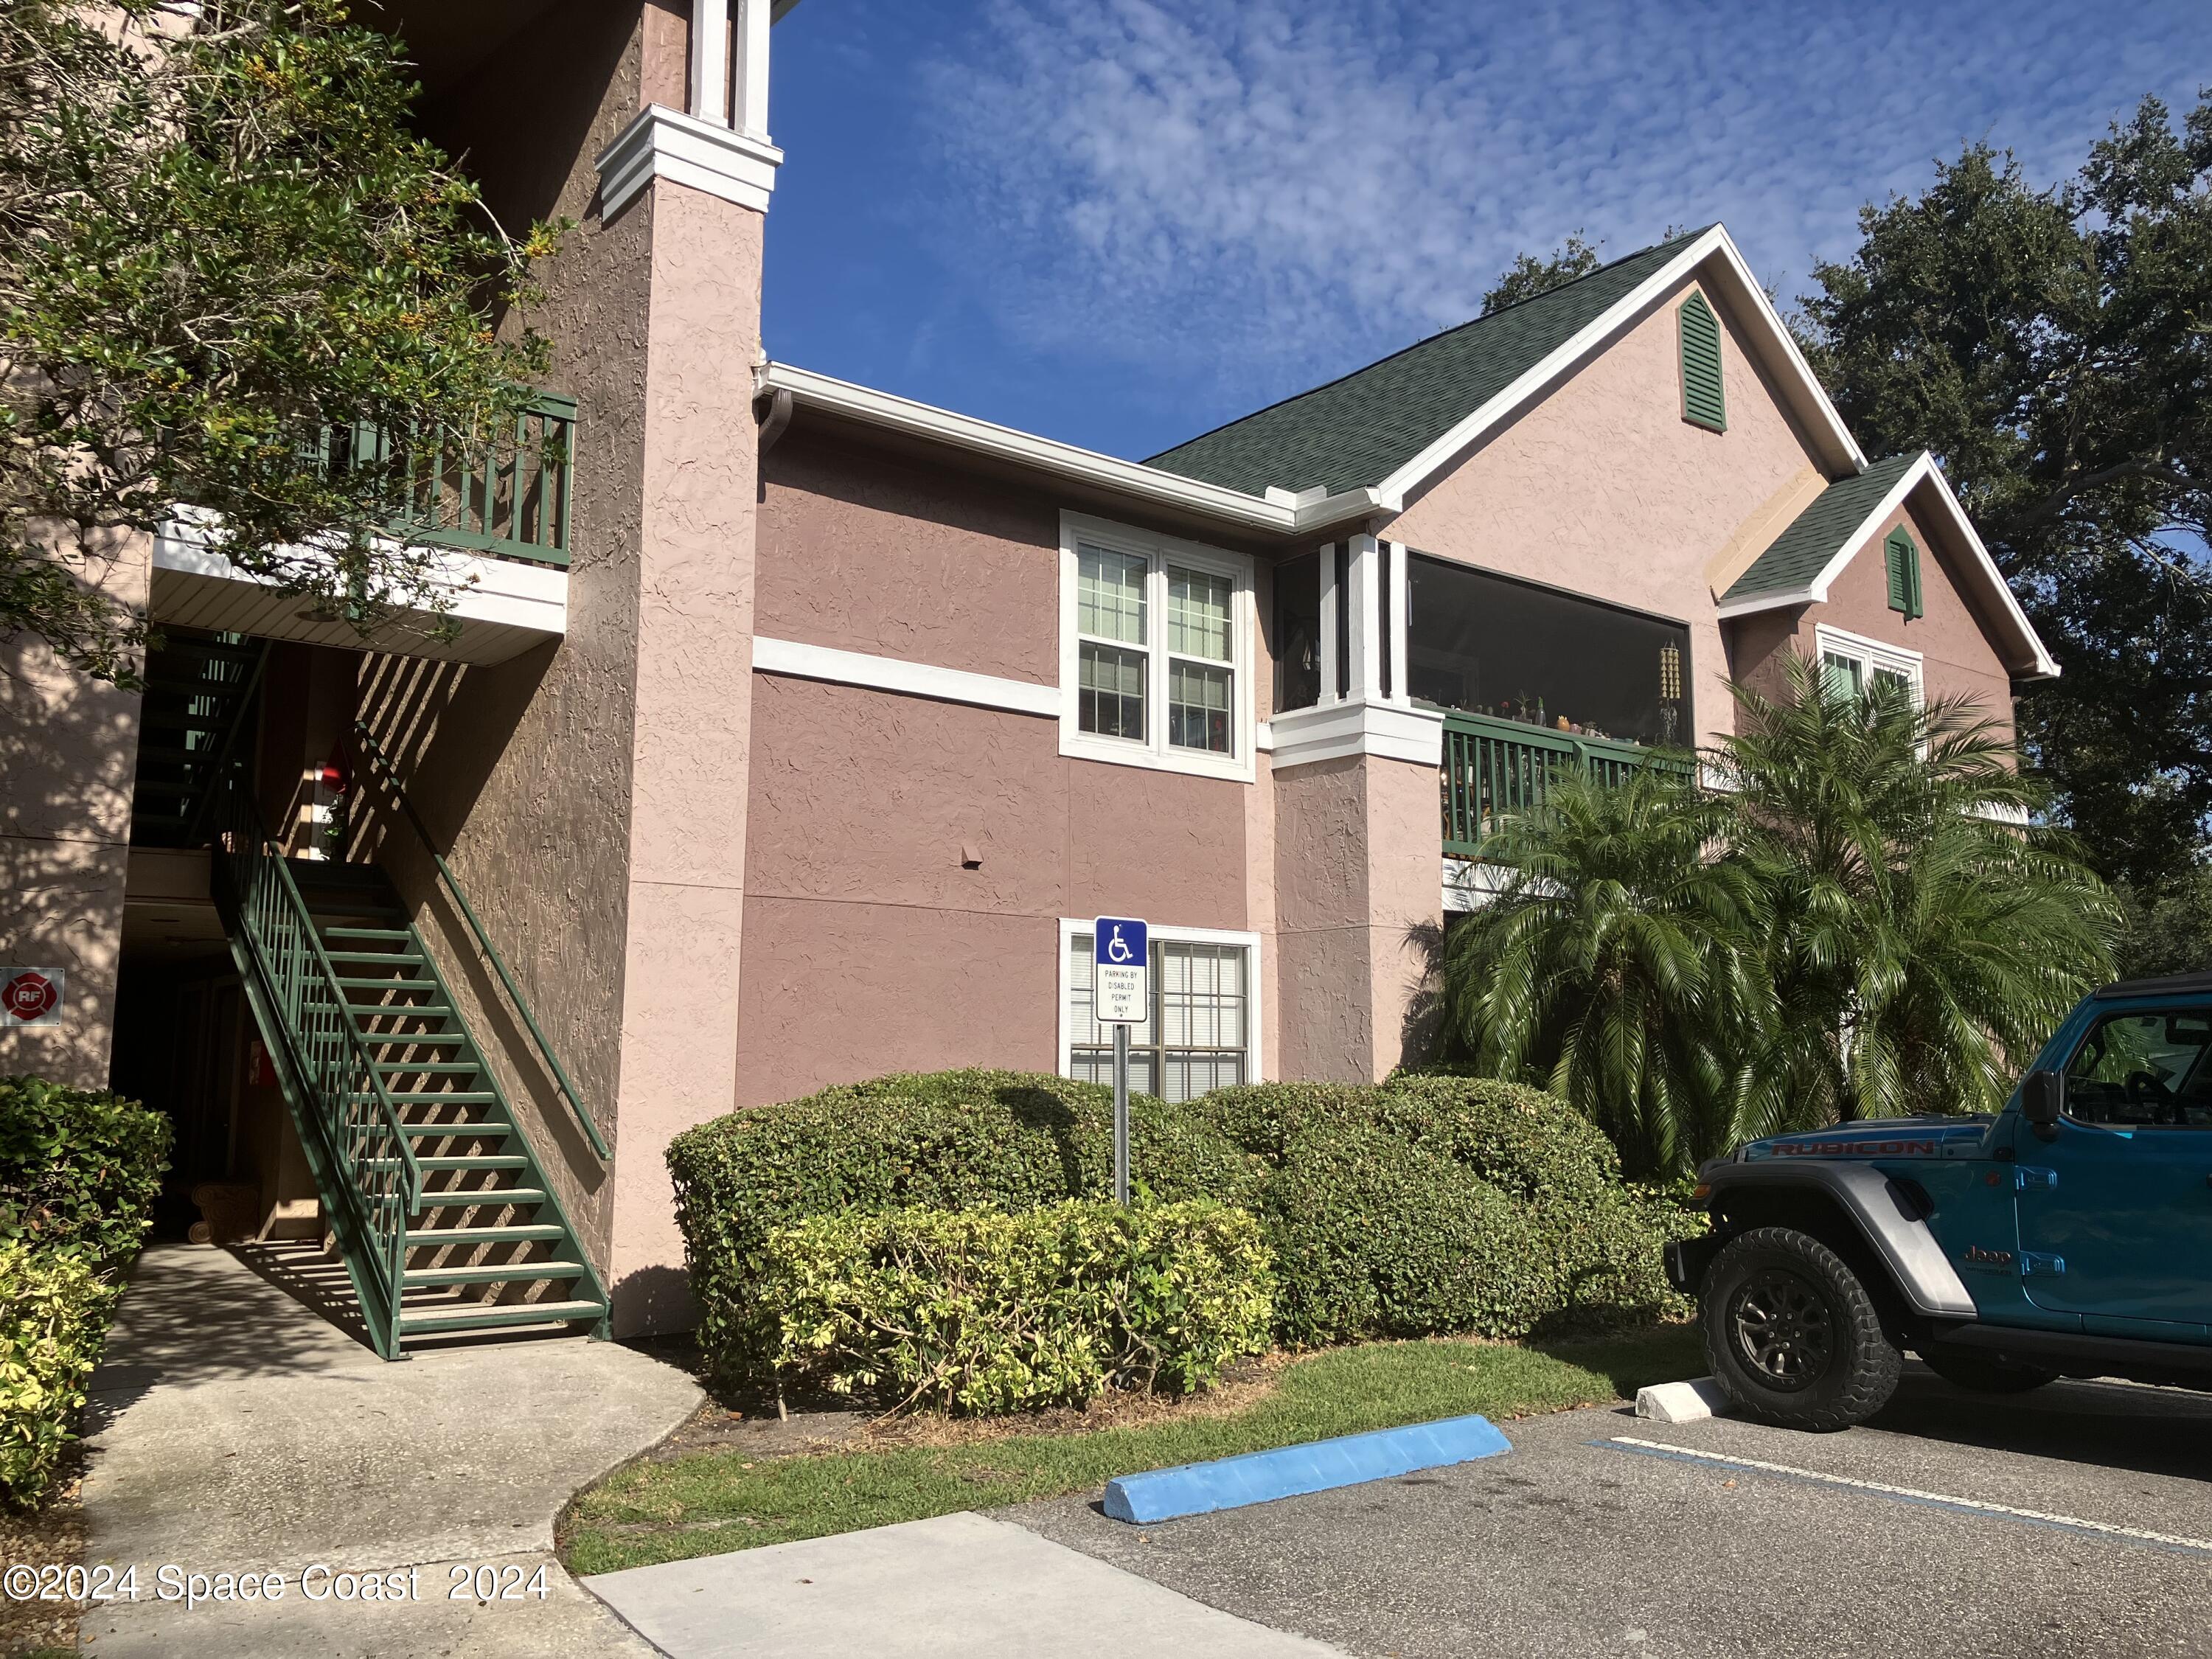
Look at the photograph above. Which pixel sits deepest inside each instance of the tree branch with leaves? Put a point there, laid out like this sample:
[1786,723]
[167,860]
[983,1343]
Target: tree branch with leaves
[223,252]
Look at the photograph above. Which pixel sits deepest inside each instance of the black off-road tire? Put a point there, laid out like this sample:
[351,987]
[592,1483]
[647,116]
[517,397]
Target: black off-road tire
[1792,1334]
[1981,1373]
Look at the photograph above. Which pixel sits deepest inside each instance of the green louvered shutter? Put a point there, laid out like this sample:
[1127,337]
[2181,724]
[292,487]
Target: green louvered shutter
[1901,562]
[1703,403]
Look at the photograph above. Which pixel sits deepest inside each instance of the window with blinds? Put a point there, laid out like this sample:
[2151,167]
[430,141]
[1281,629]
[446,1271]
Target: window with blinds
[1196,1033]
[1704,402]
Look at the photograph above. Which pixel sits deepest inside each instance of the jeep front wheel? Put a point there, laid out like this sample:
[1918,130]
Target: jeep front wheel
[1792,1334]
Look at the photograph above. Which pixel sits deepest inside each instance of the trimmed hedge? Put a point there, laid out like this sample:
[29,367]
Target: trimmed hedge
[54,1310]
[980,1310]
[79,1170]
[1439,1202]
[1432,1203]
[948,1140]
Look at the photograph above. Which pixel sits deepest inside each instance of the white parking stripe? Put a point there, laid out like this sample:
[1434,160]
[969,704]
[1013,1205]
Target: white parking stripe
[2137,1535]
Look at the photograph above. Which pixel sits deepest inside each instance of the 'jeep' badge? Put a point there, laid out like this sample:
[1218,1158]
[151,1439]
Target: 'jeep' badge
[1980,1256]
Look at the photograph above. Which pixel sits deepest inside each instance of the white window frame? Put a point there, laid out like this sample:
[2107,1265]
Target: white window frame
[1071,926]
[1157,551]
[1870,655]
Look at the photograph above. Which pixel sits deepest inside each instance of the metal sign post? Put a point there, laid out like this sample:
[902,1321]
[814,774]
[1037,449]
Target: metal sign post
[1121,980]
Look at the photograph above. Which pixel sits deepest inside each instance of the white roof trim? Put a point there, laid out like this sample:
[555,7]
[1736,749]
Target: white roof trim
[1924,470]
[1593,335]
[1129,479]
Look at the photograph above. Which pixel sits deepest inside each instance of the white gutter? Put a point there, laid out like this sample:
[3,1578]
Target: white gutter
[1130,478]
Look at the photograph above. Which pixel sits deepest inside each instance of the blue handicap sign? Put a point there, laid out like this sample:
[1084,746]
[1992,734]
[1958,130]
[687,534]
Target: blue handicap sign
[1118,942]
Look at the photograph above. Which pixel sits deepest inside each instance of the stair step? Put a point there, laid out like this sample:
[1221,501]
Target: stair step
[468,1161]
[348,982]
[396,958]
[497,1130]
[427,1067]
[519,1273]
[418,1237]
[366,932]
[450,1097]
[400,1009]
[479,1316]
[462,1198]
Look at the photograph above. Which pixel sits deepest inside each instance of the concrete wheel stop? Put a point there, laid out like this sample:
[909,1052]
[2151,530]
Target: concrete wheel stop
[1683,1402]
[1230,1483]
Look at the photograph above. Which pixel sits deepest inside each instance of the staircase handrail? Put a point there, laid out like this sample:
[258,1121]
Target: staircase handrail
[221,762]
[253,853]
[388,775]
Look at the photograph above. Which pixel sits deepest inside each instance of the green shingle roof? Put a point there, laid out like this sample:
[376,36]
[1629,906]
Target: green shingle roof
[1355,431]
[1815,536]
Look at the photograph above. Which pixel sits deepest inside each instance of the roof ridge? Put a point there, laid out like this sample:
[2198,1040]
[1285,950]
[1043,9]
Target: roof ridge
[1428,340]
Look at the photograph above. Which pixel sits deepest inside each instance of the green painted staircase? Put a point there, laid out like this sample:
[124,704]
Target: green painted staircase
[200,692]
[486,1244]
[439,1205]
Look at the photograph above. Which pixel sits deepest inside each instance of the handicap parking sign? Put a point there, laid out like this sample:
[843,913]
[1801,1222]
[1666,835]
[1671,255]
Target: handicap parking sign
[1120,955]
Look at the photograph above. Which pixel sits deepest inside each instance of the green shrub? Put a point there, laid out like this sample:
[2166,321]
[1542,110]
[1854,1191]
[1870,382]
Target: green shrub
[1375,1237]
[1440,1202]
[1007,1140]
[79,1170]
[54,1309]
[983,1310]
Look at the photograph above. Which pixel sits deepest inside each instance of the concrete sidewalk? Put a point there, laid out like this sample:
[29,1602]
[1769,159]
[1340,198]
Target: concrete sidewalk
[958,1585]
[232,1429]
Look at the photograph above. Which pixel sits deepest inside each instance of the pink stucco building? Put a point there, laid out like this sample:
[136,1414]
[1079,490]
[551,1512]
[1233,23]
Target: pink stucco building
[778,680]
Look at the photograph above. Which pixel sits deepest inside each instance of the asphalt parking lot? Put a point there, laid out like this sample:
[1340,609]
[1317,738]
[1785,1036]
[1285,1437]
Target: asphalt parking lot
[2074,1520]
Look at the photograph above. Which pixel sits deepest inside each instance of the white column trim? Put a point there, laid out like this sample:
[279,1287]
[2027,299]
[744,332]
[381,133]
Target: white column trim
[915,679]
[1366,680]
[710,47]
[664,143]
[1330,599]
[1356,726]
[752,109]
[1401,625]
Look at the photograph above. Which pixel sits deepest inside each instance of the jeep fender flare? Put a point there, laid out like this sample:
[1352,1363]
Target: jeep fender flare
[1887,1215]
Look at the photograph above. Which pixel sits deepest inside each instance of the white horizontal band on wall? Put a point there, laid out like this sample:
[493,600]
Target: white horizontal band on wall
[915,679]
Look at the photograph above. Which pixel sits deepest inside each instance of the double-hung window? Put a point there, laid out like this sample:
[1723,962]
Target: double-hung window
[1154,650]
[1199,1028]
[1852,665]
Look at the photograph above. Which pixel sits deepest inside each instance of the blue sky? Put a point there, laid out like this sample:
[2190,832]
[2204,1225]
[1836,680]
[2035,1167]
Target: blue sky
[1120,223]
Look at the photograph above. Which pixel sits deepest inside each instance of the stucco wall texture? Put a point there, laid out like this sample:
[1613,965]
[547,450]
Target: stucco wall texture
[523,770]
[68,746]
[1603,487]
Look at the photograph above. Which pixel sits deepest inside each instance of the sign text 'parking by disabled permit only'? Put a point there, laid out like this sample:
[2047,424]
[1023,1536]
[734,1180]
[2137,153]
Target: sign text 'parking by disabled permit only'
[1120,996]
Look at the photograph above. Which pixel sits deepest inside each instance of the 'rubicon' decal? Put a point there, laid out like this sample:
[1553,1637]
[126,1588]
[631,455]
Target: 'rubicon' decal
[1915,1148]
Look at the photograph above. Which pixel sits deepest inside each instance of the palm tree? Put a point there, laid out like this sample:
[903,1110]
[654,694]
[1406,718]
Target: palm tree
[1612,965]
[1854,916]
[1924,936]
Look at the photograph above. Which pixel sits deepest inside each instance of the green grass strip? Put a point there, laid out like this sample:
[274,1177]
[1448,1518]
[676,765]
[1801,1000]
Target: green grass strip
[709,1503]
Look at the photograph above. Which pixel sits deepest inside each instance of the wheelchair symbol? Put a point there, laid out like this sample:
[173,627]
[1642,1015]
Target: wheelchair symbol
[1117,949]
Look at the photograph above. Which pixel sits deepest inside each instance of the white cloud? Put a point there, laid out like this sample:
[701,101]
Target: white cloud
[1248,193]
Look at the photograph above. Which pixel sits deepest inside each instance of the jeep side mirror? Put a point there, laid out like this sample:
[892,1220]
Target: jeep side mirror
[2042,1097]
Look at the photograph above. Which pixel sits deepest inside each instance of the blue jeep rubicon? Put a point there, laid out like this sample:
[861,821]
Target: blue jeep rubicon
[2070,1236]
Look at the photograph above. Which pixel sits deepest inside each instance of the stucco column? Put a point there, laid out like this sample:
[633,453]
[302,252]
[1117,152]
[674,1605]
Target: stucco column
[69,748]
[1358,902]
[691,746]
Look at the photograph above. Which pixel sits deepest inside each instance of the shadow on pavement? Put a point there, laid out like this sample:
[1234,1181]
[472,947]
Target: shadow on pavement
[2166,1431]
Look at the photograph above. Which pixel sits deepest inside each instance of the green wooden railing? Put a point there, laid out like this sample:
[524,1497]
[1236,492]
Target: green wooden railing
[350,1129]
[1493,767]
[388,775]
[509,495]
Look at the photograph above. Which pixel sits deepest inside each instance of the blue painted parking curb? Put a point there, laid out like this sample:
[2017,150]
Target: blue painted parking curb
[1230,1483]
